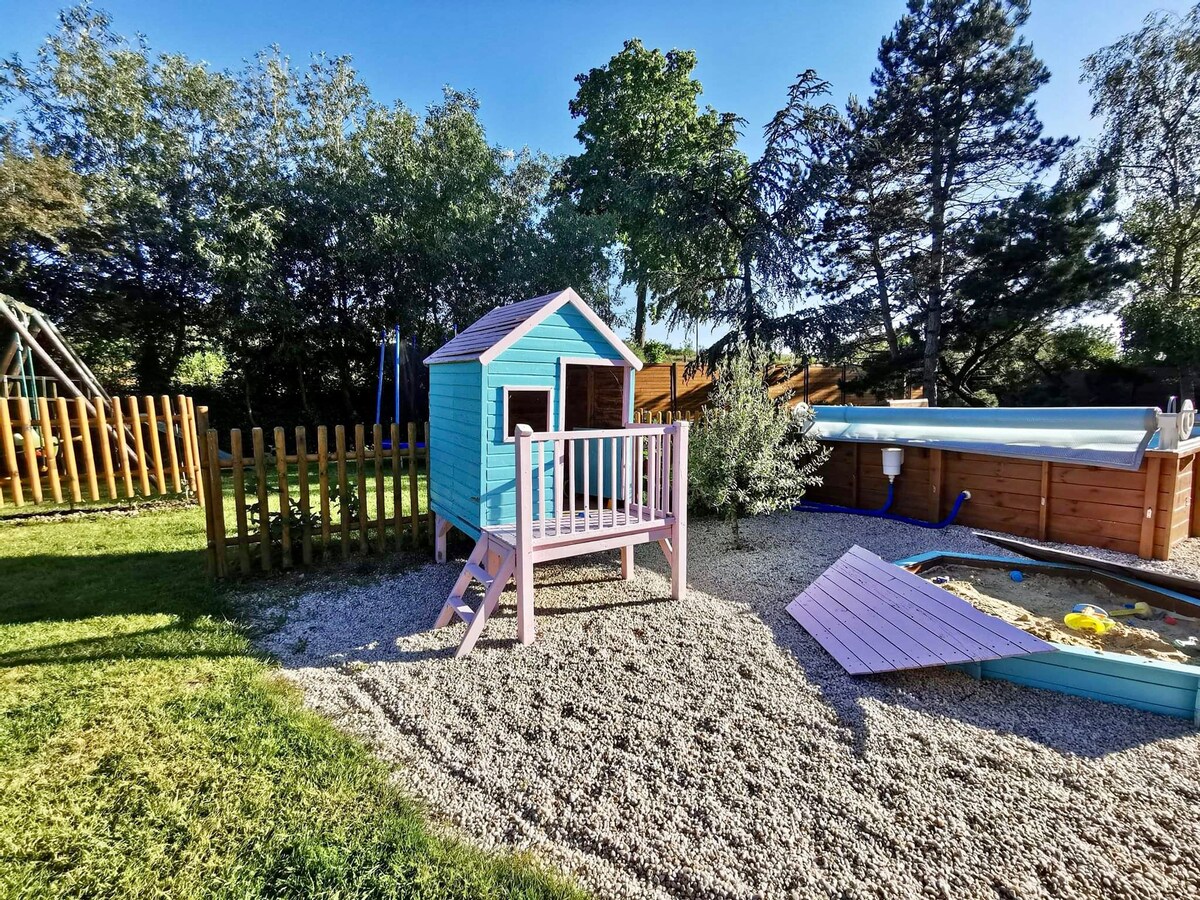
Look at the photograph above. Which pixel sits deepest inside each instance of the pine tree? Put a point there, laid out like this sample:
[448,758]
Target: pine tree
[954,99]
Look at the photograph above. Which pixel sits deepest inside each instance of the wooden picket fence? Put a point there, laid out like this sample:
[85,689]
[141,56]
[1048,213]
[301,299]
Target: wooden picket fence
[71,451]
[248,531]
[661,417]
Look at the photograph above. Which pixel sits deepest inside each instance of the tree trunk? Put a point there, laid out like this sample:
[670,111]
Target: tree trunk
[934,277]
[749,314]
[885,301]
[639,316]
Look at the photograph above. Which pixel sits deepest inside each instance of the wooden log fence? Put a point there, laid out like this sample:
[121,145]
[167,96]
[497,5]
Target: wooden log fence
[666,417]
[298,502]
[76,451]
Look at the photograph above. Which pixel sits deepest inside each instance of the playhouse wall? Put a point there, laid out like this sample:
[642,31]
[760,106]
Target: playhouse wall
[1145,512]
[456,453]
[533,361]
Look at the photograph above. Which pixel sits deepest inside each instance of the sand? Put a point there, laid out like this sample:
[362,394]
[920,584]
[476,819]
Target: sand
[1038,603]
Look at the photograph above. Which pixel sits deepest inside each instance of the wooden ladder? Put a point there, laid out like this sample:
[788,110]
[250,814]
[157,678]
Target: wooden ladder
[493,585]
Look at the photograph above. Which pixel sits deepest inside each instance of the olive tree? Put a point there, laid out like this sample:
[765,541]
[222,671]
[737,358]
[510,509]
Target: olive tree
[751,453]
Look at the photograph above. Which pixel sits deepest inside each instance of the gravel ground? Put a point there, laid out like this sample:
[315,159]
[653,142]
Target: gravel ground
[710,748]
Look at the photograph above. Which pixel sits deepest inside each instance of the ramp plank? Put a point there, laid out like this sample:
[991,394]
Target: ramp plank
[872,616]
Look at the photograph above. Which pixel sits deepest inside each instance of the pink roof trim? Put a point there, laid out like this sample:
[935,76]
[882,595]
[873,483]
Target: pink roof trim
[495,332]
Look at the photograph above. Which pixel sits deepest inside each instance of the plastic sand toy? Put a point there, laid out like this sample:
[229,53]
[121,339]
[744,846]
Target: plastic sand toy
[1089,621]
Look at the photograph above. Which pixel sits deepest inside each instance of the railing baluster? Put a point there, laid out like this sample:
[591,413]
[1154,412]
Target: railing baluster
[627,472]
[651,492]
[587,500]
[664,478]
[557,476]
[637,481]
[541,501]
[616,462]
[572,444]
[600,483]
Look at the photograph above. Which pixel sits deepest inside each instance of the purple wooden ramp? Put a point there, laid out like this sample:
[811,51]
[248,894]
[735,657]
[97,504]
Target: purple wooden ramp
[873,616]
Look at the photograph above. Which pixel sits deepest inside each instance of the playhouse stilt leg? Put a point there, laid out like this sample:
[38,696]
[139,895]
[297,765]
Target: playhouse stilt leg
[440,530]
[524,569]
[679,537]
[627,561]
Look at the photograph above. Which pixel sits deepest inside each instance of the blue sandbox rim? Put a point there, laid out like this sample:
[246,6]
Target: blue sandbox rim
[1159,686]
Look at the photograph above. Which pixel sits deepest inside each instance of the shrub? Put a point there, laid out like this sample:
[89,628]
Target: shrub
[750,454]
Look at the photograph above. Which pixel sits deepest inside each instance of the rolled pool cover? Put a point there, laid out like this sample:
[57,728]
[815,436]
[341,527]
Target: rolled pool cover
[1112,437]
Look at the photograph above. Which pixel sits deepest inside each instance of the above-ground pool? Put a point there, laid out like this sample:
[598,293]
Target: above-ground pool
[1094,477]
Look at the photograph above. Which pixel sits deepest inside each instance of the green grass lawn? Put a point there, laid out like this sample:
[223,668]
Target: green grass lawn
[145,751]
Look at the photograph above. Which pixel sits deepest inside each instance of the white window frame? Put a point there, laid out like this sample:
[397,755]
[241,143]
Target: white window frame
[564,361]
[548,390]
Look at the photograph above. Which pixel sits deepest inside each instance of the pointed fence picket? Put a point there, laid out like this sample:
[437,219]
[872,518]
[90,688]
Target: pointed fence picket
[290,505]
[61,450]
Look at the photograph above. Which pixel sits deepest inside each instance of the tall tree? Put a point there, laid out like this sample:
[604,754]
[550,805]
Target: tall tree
[869,230]
[767,213]
[41,199]
[641,129]
[954,95]
[146,134]
[1034,261]
[1146,87]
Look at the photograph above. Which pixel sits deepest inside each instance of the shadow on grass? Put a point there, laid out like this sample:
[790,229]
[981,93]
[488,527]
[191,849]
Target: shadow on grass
[178,640]
[45,587]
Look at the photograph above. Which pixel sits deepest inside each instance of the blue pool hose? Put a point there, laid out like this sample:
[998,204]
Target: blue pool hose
[882,512]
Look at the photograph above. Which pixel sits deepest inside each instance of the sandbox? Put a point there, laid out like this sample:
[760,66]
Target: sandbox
[1134,664]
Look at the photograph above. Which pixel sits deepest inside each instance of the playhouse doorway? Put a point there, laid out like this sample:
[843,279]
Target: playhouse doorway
[593,397]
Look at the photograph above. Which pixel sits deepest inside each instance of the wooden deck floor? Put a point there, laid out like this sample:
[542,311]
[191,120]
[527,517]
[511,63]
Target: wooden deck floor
[596,525]
[873,616]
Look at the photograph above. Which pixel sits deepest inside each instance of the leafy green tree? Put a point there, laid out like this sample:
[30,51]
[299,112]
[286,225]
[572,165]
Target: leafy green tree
[1146,88]
[145,135]
[750,454]
[641,129]
[278,217]
[954,103]
[41,198]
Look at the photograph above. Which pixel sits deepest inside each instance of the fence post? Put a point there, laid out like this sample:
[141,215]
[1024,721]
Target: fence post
[215,496]
[85,438]
[413,501]
[49,457]
[195,439]
[172,454]
[210,541]
[155,446]
[103,435]
[239,499]
[31,465]
[306,552]
[10,454]
[264,502]
[285,500]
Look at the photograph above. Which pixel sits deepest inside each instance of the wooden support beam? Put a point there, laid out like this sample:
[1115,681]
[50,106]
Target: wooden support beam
[937,480]
[1044,509]
[1149,507]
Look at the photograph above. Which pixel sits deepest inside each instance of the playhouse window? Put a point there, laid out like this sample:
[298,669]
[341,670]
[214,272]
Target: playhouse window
[526,406]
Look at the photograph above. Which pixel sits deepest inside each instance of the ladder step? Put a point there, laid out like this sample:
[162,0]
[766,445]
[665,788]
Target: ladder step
[462,610]
[480,574]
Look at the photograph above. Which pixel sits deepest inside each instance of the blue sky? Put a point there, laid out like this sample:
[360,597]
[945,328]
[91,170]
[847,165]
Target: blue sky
[521,57]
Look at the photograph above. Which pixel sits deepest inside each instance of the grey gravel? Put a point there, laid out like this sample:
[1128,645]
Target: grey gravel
[710,748]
